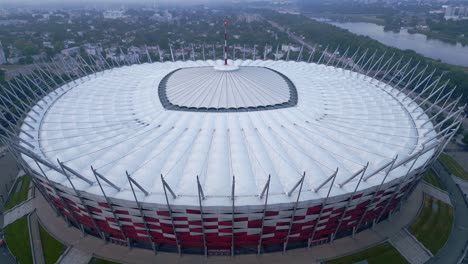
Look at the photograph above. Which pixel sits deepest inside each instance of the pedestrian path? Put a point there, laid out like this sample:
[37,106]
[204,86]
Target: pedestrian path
[410,248]
[75,256]
[17,212]
[463,185]
[453,249]
[436,193]
[36,244]
[20,173]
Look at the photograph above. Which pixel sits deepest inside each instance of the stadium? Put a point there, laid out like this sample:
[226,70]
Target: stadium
[233,156]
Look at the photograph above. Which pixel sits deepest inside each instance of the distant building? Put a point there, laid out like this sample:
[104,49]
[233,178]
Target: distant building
[113,14]
[285,48]
[70,51]
[455,12]
[48,44]
[449,11]
[249,18]
[92,49]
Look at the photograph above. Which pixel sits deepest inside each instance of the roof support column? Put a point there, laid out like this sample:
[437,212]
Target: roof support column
[172,53]
[397,189]
[26,105]
[373,196]
[285,245]
[148,55]
[130,181]
[341,58]
[183,52]
[214,52]
[332,57]
[201,196]
[276,54]
[56,192]
[349,60]
[243,53]
[362,172]
[97,176]
[266,190]
[388,71]
[170,213]
[82,201]
[161,58]
[12,136]
[232,212]
[324,203]
[359,61]
[321,56]
[299,56]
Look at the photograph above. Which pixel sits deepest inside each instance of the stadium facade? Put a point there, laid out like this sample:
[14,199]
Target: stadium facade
[249,157]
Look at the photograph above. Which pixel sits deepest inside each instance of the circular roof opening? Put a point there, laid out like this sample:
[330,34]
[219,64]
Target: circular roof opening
[238,89]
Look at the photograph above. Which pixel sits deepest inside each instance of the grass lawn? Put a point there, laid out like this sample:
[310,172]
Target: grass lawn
[432,179]
[101,261]
[20,196]
[453,166]
[380,254]
[17,238]
[433,225]
[52,248]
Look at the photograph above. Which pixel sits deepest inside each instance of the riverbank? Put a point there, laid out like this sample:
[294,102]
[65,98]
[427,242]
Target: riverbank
[408,39]
[367,18]
[439,36]
[378,19]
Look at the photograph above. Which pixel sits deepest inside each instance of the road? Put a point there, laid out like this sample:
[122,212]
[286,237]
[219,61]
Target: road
[8,172]
[291,35]
[454,248]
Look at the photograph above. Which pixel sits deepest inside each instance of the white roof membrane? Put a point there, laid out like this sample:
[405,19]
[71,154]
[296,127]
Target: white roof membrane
[115,121]
[206,87]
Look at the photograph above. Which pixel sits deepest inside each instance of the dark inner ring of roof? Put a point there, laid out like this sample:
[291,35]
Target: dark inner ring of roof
[168,105]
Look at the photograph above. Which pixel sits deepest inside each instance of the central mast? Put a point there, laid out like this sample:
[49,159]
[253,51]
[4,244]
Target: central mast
[225,42]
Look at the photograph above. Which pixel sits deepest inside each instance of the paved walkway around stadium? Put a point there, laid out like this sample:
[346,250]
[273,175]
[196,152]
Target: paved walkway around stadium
[91,245]
[36,242]
[74,256]
[436,192]
[410,248]
[7,176]
[462,184]
[17,212]
[454,249]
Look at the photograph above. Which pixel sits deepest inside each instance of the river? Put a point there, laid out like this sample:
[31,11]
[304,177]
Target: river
[436,49]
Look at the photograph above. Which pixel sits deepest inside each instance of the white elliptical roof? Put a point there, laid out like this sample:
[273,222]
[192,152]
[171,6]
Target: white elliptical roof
[114,121]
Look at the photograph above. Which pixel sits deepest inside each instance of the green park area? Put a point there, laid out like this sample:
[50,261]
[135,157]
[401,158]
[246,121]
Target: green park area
[52,248]
[17,238]
[434,224]
[453,166]
[380,254]
[431,178]
[19,192]
[101,261]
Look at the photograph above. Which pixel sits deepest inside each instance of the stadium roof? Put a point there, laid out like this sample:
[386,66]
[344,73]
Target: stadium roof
[115,121]
[208,88]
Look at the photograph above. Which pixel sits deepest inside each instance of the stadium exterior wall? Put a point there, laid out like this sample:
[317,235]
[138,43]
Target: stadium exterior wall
[153,226]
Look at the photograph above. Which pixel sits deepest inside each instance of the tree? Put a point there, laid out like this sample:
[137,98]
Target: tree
[465,138]
[2,76]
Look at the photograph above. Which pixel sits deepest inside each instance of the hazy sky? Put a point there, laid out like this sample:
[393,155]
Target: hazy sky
[106,2]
